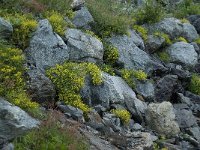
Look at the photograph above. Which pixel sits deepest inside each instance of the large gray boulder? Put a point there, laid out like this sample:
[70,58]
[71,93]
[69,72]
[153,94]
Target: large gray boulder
[161,118]
[83,46]
[40,88]
[114,90]
[183,53]
[6,28]
[46,48]
[13,121]
[130,54]
[83,18]
[175,28]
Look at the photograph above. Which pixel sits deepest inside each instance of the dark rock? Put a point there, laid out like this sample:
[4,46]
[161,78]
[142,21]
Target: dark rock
[154,43]
[94,121]
[76,113]
[40,88]
[195,132]
[195,21]
[14,121]
[46,48]
[77,4]
[165,88]
[6,29]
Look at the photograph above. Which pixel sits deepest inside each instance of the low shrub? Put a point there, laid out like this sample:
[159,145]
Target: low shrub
[151,12]
[142,31]
[108,69]
[69,78]
[111,53]
[164,56]
[194,85]
[107,19]
[197,41]
[123,114]
[51,135]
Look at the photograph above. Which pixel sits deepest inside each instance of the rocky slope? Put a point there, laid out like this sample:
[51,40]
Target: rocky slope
[162,108]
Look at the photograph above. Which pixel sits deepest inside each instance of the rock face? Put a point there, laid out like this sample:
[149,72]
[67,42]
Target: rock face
[161,118]
[154,43]
[130,54]
[6,28]
[83,18]
[46,48]
[183,53]
[174,28]
[83,46]
[40,88]
[13,121]
[165,87]
[114,90]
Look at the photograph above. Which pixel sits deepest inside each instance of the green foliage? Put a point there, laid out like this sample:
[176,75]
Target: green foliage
[130,75]
[165,36]
[93,34]
[194,85]
[12,84]
[123,114]
[151,12]
[197,41]
[142,31]
[181,39]
[52,135]
[69,78]
[57,21]
[184,20]
[186,8]
[111,53]
[108,69]
[24,25]
[164,56]
[107,19]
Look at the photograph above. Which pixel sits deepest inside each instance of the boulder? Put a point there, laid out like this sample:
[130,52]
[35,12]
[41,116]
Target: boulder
[46,48]
[40,88]
[165,87]
[114,90]
[175,28]
[161,118]
[77,4]
[130,54]
[146,89]
[154,43]
[83,18]
[83,46]
[183,53]
[6,29]
[14,121]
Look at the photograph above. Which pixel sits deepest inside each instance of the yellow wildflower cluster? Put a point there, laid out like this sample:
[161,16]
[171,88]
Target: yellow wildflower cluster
[24,25]
[123,114]
[111,54]
[69,78]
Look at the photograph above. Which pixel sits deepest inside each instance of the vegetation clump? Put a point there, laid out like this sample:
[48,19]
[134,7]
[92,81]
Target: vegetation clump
[142,31]
[181,39]
[69,78]
[12,84]
[111,54]
[194,85]
[164,56]
[108,69]
[123,114]
[51,135]
[165,36]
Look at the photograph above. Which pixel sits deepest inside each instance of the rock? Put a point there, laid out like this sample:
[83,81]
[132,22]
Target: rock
[174,28]
[77,4]
[189,32]
[94,120]
[165,88]
[40,88]
[195,132]
[14,121]
[183,99]
[183,53]
[138,41]
[76,113]
[46,48]
[146,89]
[83,46]
[196,47]
[129,54]
[83,18]
[161,118]
[111,121]
[9,146]
[195,21]
[114,90]
[6,29]
[184,117]
[154,43]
